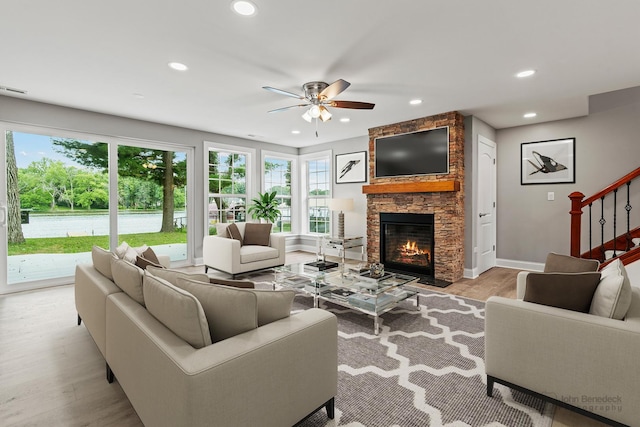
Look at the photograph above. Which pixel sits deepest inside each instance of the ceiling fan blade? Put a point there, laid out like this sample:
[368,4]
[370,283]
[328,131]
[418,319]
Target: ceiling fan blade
[333,90]
[352,104]
[282,92]
[277,110]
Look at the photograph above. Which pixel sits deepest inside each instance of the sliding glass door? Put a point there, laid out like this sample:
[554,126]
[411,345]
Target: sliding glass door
[152,200]
[57,205]
[61,195]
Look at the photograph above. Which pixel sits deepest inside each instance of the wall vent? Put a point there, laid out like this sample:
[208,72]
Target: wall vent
[13,90]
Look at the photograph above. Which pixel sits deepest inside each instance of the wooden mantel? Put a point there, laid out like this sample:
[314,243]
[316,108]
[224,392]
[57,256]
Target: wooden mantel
[412,187]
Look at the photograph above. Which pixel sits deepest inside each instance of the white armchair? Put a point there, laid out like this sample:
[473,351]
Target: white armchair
[228,255]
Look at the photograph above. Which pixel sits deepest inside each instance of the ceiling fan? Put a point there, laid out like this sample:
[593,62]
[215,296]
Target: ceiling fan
[319,96]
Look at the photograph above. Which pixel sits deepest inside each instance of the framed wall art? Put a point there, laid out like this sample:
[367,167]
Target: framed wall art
[351,167]
[548,162]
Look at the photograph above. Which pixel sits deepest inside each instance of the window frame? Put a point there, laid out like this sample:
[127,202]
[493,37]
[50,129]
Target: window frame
[326,155]
[294,159]
[250,155]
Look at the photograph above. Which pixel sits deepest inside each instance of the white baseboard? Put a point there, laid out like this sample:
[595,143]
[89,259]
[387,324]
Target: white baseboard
[519,265]
[470,273]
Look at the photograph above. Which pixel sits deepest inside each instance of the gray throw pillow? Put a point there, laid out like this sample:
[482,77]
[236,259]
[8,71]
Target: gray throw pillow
[102,261]
[257,234]
[273,305]
[128,277]
[178,310]
[557,263]
[171,275]
[571,291]
[229,311]
[234,233]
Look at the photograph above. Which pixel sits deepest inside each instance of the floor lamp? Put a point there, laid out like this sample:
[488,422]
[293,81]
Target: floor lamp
[341,205]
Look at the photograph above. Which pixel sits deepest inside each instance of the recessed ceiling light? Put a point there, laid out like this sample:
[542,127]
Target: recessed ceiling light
[244,8]
[345,120]
[415,102]
[295,132]
[178,66]
[525,73]
[529,115]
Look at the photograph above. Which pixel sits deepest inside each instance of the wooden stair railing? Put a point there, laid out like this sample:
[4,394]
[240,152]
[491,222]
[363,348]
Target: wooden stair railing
[578,203]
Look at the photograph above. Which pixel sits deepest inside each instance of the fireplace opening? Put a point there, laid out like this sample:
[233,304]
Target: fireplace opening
[407,244]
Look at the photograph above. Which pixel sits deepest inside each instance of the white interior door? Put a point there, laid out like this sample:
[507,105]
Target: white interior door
[486,218]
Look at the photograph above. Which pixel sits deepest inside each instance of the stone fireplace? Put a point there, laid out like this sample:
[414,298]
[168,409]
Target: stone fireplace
[440,196]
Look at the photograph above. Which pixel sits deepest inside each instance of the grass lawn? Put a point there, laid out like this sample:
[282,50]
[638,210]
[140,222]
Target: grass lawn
[69,245]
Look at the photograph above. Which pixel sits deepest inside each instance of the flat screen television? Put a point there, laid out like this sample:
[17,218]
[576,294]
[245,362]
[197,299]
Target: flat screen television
[418,153]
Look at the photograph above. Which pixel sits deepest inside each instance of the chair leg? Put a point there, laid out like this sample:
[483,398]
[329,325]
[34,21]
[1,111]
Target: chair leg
[206,269]
[330,407]
[79,320]
[490,386]
[110,376]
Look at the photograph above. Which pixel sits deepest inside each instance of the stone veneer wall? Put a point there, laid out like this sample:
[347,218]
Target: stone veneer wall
[447,207]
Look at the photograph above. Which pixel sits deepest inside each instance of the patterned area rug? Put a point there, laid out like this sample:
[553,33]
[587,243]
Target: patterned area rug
[426,368]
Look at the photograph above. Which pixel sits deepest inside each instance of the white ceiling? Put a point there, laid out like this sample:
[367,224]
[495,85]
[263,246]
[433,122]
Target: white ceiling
[453,54]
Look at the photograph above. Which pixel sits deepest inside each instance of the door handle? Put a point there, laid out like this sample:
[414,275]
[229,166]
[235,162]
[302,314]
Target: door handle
[484,214]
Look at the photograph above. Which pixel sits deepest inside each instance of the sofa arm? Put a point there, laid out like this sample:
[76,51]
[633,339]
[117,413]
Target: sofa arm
[274,375]
[221,253]
[574,357]
[279,242]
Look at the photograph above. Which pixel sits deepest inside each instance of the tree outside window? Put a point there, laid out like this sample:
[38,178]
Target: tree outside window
[277,177]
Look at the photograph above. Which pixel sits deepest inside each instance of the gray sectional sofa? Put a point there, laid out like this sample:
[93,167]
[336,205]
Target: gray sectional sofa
[175,374]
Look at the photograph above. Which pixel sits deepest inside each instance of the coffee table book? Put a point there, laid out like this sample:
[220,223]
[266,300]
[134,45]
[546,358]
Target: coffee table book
[320,265]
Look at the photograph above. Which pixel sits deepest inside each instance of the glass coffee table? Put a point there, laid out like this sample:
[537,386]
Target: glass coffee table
[348,289]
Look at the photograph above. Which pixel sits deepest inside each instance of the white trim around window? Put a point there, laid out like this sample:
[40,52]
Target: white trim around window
[304,184]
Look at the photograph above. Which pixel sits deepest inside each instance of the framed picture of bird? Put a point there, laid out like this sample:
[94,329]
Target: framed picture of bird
[351,167]
[548,162]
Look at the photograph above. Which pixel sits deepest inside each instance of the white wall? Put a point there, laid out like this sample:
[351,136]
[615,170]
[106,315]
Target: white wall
[355,221]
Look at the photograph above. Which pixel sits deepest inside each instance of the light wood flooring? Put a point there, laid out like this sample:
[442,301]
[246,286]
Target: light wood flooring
[52,374]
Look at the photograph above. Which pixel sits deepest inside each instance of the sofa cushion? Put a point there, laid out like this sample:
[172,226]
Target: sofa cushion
[170,275]
[571,291]
[234,233]
[612,297]
[557,263]
[178,310]
[273,305]
[255,253]
[128,277]
[257,234]
[102,261]
[229,311]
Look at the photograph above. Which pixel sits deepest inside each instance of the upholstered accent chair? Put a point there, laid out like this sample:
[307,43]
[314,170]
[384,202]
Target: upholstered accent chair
[243,247]
[550,343]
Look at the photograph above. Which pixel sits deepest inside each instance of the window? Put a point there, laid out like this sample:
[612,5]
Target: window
[277,177]
[227,183]
[318,192]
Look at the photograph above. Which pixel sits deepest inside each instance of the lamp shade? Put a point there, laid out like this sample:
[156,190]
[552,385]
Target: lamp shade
[341,205]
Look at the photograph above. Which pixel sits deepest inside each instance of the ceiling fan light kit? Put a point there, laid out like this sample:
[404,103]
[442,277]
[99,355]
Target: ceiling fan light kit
[319,96]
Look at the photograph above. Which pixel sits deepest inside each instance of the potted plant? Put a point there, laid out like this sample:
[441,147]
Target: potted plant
[265,207]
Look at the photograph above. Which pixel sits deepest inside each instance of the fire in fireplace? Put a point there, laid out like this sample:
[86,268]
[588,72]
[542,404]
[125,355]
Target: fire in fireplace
[407,242]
